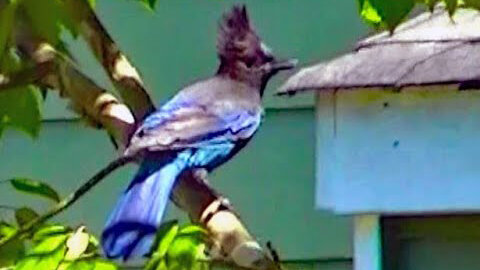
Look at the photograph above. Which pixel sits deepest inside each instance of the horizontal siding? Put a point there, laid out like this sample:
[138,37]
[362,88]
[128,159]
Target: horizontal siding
[271,182]
[175,45]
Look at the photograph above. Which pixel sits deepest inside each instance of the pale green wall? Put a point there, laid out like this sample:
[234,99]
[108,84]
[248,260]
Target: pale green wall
[441,242]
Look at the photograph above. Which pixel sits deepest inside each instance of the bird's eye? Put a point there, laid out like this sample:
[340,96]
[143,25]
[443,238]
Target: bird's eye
[250,61]
[269,58]
[141,133]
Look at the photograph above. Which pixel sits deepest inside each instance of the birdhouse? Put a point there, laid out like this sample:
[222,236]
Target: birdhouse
[398,142]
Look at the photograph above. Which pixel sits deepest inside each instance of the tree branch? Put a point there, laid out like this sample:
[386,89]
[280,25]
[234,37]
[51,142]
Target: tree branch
[231,241]
[95,104]
[121,72]
[28,75]
[67,201]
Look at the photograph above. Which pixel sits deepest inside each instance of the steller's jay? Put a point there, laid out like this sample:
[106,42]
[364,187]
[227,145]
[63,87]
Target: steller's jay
[203,126]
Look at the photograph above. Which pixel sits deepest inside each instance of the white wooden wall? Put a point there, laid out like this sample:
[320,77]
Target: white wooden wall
[381,151]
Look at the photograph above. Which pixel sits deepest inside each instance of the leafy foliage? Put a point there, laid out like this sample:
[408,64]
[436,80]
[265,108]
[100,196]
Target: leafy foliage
[13,250]
[35,187]
[179,248]
[24,215]
[387,14]
[52,246]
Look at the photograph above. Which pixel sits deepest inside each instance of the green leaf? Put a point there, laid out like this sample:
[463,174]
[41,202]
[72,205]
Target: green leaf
[451,6]
[6,229]
[431,4]
[391,12]
[78,265]
[49,231]
[472,3]
[49,244]
[103,265]
[45,256]
[192,229]
[7,14]
[92,3]
[12,251]
[166,233]
[48,17]
[20,109]
[368,13]
[149,3]
[90,264]
[35,187]
[186,253]
[25,215]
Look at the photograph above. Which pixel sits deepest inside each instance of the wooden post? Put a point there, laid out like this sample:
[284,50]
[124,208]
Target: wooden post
[367,243]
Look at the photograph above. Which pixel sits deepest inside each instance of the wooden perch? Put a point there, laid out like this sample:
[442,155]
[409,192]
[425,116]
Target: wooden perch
[231,241]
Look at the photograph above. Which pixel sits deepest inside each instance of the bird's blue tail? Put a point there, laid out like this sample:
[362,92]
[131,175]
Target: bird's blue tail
[131,227]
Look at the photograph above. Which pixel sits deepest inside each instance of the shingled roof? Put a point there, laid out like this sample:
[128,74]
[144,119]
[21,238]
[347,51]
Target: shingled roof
[430,49]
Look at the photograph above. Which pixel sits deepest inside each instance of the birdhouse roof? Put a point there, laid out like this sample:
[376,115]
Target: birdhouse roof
[430,49]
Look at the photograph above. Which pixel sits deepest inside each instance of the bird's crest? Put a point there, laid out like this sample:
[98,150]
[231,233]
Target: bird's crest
[237,39]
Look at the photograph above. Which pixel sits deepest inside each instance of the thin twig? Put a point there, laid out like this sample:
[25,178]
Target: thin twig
[28,75]
[69,200]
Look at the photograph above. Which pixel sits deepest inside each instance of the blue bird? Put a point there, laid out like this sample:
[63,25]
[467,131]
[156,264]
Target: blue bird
[203,126]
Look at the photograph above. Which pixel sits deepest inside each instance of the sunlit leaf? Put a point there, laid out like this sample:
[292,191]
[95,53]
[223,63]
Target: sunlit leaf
[78,265]
[166,233]
[149,3]
[392,12]
[431,4]
[472,3]
[48,17]
[186,252]
[49,244]
[77,244]
[35,187]
[12,251]
[24,215]
[451,6]
[368,13]
[192,229]
[92,3]
[103,265]
[20,109]
[89,264]
[46,255]
[7,12]
[49,231]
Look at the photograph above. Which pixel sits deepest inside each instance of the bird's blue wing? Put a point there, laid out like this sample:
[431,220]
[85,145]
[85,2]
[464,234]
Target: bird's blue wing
[189,125]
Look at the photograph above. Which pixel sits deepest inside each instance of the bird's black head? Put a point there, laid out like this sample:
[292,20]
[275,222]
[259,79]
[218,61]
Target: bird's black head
[243,55]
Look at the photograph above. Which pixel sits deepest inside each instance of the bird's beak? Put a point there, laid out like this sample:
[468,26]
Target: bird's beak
[278,65]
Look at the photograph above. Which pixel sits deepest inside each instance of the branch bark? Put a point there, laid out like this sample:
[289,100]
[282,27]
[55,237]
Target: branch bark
[95,104]
[231,240]
[121,72]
